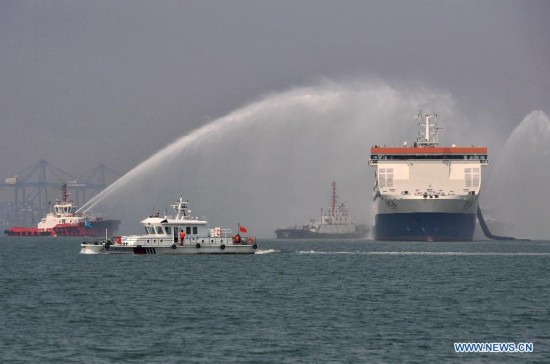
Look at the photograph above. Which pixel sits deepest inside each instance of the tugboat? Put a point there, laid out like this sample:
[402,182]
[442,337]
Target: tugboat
[176,235]
[63,220]
[336,224]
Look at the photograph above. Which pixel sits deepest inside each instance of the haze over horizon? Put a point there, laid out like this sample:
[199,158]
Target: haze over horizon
[84,83]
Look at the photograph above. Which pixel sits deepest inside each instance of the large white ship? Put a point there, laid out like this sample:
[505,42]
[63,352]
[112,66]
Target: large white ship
[426,192]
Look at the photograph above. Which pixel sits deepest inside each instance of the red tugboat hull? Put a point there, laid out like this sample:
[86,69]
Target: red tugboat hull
[28,231]
[97,229]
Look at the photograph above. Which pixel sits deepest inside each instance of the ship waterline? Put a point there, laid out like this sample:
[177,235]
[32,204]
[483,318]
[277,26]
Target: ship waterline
[425,226]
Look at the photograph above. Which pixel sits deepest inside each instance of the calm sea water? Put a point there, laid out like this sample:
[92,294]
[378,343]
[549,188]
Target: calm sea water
[296,301]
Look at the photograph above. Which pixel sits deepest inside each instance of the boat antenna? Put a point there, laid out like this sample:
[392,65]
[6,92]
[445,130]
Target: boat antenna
[333,206]
[64,193]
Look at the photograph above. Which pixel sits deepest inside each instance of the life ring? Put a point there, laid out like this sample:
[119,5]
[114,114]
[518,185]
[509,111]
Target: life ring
[237,239]
[198,246]
[174,246]
[222,247]
[118,240]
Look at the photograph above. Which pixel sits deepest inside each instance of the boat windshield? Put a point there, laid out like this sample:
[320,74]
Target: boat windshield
[149,230]
[168,230]
[159,230]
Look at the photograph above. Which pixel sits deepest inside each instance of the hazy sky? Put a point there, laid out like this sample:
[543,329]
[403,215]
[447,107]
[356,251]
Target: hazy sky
[89,82]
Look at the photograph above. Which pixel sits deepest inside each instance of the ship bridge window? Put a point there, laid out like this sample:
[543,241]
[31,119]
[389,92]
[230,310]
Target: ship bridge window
[159,230]
[149,230]
[195,230]
[188,230]
[475,177]
[471,177]
[385,177]
[168,230]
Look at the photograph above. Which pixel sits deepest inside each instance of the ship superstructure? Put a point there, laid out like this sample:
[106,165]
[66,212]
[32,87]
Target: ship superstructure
[335,223]
[426,192]
[63,220]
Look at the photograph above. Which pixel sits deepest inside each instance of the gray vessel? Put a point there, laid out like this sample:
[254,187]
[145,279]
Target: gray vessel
[334,224]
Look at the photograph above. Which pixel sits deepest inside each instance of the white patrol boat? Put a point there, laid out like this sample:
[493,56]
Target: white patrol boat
[180,234]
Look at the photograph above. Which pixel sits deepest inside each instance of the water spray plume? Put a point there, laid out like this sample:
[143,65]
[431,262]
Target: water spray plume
[517,189]
[270,164]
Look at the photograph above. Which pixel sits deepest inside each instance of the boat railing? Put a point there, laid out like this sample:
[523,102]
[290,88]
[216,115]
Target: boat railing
[95,241]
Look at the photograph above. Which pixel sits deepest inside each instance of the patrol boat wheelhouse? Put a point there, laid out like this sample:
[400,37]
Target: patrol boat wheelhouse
[180,234]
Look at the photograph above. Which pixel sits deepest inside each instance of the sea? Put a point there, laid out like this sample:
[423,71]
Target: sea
[301,301]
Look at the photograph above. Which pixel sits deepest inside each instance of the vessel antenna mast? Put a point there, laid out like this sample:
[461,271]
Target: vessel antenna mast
[430,137]
[333,202]
[64,193]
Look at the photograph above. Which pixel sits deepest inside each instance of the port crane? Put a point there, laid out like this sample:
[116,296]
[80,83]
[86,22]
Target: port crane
[26,196]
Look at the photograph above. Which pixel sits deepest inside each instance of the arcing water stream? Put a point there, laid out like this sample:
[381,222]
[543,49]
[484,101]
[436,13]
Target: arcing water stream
[269,164]
[518,190]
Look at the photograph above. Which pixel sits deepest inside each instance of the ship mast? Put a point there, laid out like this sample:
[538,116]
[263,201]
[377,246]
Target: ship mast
[181,209]
[430,137]
[333,204]
[64,193]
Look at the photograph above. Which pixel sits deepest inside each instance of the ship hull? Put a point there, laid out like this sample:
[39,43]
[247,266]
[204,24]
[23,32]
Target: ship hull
[98,228]
[425,226]
[27,231]
[102,248]
[306,234]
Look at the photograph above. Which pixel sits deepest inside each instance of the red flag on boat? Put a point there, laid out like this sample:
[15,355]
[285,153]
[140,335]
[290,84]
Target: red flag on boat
[242,229]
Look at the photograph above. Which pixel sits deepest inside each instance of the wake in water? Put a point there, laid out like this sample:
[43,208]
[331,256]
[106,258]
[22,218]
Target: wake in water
[424,253]
[267,251]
